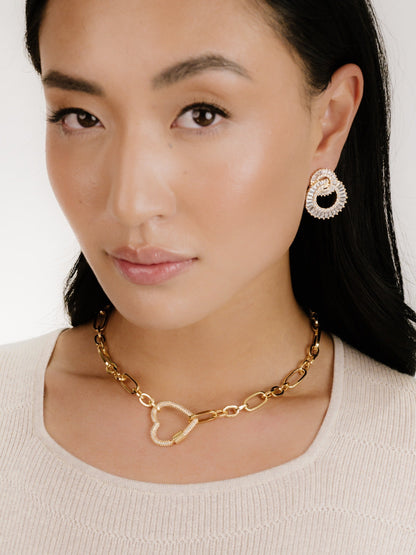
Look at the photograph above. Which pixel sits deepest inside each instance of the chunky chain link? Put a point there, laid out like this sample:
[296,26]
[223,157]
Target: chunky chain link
[252,403]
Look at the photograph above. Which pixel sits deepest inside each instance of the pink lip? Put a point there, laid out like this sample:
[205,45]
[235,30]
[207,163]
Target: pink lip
[150,274]
[149,265]
[148,255]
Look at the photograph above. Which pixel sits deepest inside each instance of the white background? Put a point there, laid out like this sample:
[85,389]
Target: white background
[37,245]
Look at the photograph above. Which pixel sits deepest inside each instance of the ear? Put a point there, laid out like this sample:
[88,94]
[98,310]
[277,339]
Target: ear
[335,110]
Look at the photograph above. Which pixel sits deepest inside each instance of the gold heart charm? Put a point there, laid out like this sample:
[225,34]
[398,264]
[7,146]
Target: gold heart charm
[179,436]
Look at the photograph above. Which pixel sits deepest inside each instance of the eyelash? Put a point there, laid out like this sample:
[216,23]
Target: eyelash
[56,117]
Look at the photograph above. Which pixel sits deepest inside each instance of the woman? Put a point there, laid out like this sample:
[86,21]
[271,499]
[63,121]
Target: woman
[192,146]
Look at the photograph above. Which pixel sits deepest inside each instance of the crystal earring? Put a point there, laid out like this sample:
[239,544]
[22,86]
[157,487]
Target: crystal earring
[323,183]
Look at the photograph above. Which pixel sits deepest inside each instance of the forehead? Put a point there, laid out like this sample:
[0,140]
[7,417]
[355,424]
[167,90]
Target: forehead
[146,33]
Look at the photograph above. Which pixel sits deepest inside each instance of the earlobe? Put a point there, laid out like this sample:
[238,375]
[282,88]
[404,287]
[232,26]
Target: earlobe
[338,107]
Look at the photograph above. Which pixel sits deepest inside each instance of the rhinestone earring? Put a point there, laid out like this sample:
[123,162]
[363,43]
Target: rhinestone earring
[323,183]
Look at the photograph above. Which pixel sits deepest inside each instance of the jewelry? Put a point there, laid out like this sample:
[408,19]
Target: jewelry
[323,183]
[252,403]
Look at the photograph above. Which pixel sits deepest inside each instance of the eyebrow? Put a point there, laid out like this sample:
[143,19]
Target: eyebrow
[166,77]
[56,79]
[192,66]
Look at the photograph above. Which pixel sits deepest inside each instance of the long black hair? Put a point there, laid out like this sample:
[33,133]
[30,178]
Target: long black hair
[346,268]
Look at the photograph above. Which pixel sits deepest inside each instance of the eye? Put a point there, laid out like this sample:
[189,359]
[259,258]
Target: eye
[199,115]
[73,119]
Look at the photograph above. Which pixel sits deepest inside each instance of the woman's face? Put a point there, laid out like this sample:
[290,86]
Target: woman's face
[211,160]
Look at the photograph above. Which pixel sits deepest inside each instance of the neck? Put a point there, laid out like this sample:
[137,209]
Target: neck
[244,347]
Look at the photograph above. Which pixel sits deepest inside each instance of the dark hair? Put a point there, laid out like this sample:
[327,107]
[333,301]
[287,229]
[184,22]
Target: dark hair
[346,268]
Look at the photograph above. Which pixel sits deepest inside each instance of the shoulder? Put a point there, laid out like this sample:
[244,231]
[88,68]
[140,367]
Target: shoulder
[361,366]
[19,364]
[379,403]
[13,355]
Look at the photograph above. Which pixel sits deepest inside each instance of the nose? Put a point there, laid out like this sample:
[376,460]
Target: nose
[141,181]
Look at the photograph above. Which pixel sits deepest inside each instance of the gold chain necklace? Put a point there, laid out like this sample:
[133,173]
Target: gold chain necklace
[252,403]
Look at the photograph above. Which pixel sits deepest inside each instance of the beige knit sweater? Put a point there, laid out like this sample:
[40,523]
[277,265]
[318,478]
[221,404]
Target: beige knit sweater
[352,492]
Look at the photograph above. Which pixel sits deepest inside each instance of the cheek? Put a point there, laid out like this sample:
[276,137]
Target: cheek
[73,176]
[254,193]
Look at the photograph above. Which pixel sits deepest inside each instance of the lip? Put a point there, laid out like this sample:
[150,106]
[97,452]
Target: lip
[151,274]
[148,255]
[149,265]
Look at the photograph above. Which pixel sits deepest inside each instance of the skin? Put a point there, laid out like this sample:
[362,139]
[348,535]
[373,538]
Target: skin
[230,194]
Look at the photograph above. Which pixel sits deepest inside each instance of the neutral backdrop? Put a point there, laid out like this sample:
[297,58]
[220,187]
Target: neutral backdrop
[37,245]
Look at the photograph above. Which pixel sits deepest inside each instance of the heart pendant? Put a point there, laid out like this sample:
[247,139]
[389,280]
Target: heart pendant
[181,434]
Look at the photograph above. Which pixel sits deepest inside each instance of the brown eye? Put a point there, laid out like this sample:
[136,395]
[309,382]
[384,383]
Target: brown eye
[79,118]
[73,119]
[200,115]
[203,116]
[86,120]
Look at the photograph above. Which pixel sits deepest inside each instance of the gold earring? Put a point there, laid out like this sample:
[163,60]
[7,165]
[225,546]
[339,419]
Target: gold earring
[323,183]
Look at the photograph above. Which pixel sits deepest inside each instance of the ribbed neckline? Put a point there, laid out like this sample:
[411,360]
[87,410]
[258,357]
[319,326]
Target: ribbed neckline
[320,443]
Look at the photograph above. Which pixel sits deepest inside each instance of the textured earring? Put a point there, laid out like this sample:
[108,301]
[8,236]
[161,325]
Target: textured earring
[324,183]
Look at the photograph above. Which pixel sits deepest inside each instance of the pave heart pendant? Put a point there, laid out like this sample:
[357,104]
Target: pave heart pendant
[179,436]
